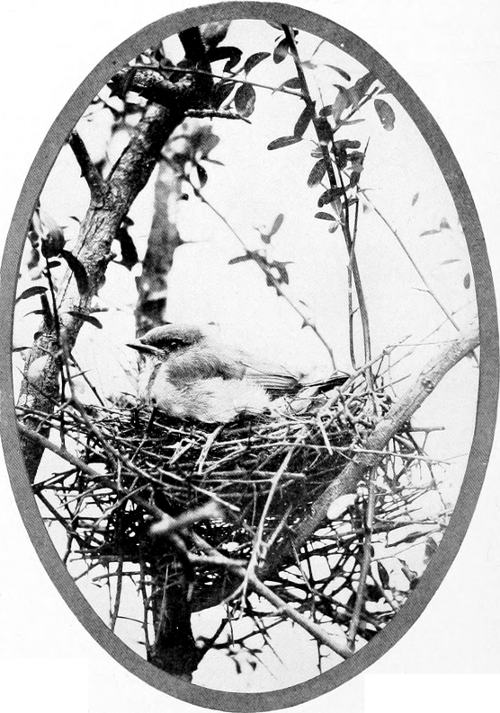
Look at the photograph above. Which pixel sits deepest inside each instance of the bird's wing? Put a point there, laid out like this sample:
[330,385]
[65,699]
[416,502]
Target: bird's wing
[274,378]
[203,362]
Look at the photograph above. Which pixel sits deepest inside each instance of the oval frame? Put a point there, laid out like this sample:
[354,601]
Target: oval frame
[488,376]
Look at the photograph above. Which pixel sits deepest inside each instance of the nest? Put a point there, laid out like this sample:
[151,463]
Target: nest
[263,473]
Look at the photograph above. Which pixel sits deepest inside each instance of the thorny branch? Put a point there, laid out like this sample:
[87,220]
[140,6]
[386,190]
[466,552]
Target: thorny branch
[401,412]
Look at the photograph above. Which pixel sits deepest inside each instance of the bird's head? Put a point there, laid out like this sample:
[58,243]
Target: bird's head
[161,341]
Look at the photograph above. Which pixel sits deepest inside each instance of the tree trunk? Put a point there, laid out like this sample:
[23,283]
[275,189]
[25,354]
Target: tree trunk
[174,649]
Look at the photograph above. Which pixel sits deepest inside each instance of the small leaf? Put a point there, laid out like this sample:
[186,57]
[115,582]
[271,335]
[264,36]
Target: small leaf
[254,60]
[217,53]
[415,199]
[35,290]
[234,58]
[293,83]
[244,100]
[362,86]
[280,51]
[317,173]
[429,232]
[79,272]
[202,175]
[325,216]
[431,547]
[467,281]
[34,311]
[342,101]
[127,247]
[283,141]
[383,574]
[444,225]
[449,262]
[326,110]
[329,195]
[385,113]
[340,71]
[239,258]
[86,318]
[304,120]
[278,222]
[346,144]
[222,92]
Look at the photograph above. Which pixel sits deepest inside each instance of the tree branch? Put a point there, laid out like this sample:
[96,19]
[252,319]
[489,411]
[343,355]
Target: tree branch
[88,168]
[401,412]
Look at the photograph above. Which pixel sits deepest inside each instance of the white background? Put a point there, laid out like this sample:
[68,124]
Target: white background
[448,52]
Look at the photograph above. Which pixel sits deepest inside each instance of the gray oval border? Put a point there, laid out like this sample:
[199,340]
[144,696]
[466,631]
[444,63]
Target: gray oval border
[488,377]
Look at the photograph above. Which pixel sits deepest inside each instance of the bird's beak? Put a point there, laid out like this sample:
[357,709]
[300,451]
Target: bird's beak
[145,348]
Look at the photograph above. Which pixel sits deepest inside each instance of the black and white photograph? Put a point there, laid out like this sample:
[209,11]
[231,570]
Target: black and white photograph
[252,332]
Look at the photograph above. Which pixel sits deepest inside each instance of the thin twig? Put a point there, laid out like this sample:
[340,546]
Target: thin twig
[279,287]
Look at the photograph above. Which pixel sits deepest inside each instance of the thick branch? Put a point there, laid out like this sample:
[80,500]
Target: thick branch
[402,411]
[108,206]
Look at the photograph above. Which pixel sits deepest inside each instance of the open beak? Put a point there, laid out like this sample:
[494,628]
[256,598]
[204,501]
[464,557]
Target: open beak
[145,348]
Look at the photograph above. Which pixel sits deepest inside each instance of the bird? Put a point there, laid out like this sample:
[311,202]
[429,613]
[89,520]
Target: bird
[189,373]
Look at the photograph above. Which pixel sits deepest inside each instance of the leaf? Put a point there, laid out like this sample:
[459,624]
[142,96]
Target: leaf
[35,290]
[317,173]
[86,318]
[431,547]
[303,121]
[283,141]
[293,83]
[450,261]
[222,91]
[202,175]
[444,225]
[342,101]
[207,142]
[254,60]
[385,113]
[467,280]
[383,574]
[280,51]
[325,216]
[217,53]
[34,311]
[278,222]
[362,86]
[429,232]
[415,199]
[127,248]
[244,100]
[234,58]
[326,110]
[79,272]
[240,258]
[328,196]
[346,144]
[342,72]
[353,122]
